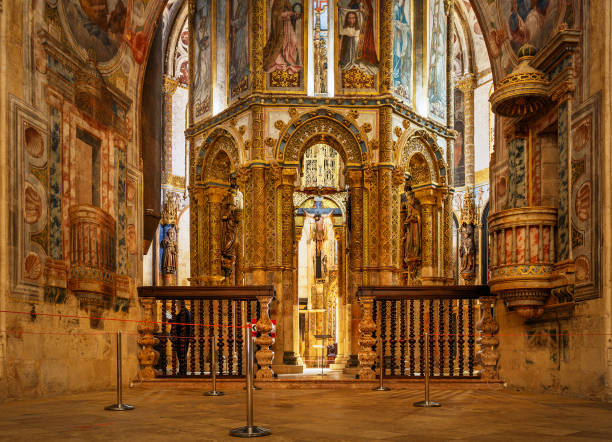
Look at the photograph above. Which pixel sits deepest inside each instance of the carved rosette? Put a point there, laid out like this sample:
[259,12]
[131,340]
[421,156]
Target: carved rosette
[265,355]
[366,341]
[147,356]
[488,327]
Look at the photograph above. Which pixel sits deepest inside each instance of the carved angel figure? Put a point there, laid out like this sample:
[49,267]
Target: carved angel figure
[467,249]
[228,232]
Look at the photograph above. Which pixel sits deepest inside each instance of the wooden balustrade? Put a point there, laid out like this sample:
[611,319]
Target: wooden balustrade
[185,321]
[398,317]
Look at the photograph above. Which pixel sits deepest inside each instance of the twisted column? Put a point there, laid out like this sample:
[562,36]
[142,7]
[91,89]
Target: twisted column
[467,85]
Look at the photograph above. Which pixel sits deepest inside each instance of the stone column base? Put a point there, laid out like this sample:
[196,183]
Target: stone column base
[287,369]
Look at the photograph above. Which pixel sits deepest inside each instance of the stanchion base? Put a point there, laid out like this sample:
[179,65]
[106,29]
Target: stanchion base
[214,393]
[253,431]
[119,407]
[254,388]
[381,389]
[427,404]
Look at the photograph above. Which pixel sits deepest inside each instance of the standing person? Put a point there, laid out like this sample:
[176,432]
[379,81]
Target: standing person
[181,336]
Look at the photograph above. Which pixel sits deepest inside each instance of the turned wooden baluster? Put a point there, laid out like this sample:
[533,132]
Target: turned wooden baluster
[402,337]
[220,343]
[422,337]
[471,338]
[432,338]
[460,339]
[192,340]
[366,340]
[211,331]
[175,338]
[230,337]
[411,341]
[239,340]
[393,335]
[452,331]
[442,337]
[147,356]
[201,335]
[164,339]
[265,354]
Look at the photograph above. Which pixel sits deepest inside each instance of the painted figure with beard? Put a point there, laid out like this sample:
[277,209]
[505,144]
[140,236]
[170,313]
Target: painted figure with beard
[357,43]
[282,48]
[239,36]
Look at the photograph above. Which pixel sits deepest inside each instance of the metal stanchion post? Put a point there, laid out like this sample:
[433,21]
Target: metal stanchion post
[119,406]
[381,387]
[249,430]
[426,402]
[213,371]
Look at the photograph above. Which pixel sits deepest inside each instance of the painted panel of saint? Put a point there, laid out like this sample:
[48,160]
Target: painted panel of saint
[201,89]
[437,60]
[239,67]
[402,49]
[358,62]
[283,54]
[530,21]
[459,147]
[98,25]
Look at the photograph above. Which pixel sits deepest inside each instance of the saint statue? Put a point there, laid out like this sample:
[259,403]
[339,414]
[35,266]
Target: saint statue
[170,251]
[412,230]
[318,235]
[467,250]
[228,232]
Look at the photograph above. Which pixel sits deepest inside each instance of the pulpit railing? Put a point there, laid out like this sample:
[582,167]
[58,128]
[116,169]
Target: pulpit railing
[182,322]
[399,317]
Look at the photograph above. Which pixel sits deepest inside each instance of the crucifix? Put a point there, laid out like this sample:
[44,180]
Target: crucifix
[318,213]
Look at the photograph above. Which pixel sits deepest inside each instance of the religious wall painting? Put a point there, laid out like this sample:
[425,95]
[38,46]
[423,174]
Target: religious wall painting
[357,61]
[238,48]
[97,25]
[437,60]
[402,49]
[283,54]
[531,21]
[459,145]
[201,94]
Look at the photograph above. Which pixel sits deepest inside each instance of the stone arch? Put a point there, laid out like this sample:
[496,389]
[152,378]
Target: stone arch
[218,152]
[325,126]
[422,145]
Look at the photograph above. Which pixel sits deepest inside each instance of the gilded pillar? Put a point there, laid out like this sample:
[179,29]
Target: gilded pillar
[386,47]
[264,355]
[356,247]
[286,300]
[428,200]
[342,338]
[366,327]
[257,142]
[258,225]
[385,197]
[398,180]
[467,85]
[215,199]
[371,242]
[258,21]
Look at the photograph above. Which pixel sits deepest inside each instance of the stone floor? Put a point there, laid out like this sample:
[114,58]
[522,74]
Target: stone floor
[164,414]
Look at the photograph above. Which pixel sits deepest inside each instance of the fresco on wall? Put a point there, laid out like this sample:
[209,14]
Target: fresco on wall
[357,44]
[529,21]
[437,60]
[238,46]
[284,51]
[459,147]
[201,90]
[98,25]
[402,49]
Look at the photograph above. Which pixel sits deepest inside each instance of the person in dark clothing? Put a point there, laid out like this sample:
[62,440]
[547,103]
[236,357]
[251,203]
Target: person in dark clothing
[182,336]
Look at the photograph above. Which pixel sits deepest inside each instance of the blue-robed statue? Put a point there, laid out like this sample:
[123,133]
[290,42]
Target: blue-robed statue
[402,45]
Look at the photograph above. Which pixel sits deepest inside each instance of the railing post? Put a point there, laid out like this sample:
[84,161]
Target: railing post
[366,340]
[488,327]
[264,340]
[147,356]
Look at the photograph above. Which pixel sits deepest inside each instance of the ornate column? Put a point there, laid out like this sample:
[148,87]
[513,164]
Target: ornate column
[429,203]
[385,196]
[370,218]
[386,47]
[354,180]
[147,356]
[366,341]
[199,233]
[215,198]
[467,85]
[488,327]
[170,85]
[256,231]
[398,181]
[258,21]
[265,355]
[343,338]
[286,297]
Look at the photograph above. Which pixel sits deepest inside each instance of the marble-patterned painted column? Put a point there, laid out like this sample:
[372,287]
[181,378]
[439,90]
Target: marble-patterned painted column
[564,233]
[467,85]
[517,167]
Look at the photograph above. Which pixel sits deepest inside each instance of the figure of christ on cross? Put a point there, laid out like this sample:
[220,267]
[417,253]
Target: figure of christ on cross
[318,234]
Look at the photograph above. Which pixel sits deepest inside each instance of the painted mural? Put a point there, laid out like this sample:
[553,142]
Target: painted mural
[238,47]
[437,60]
[98,25]
[283,55]
[402,49]
[529,21]
[459,146]
[358,62]
[201,90]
